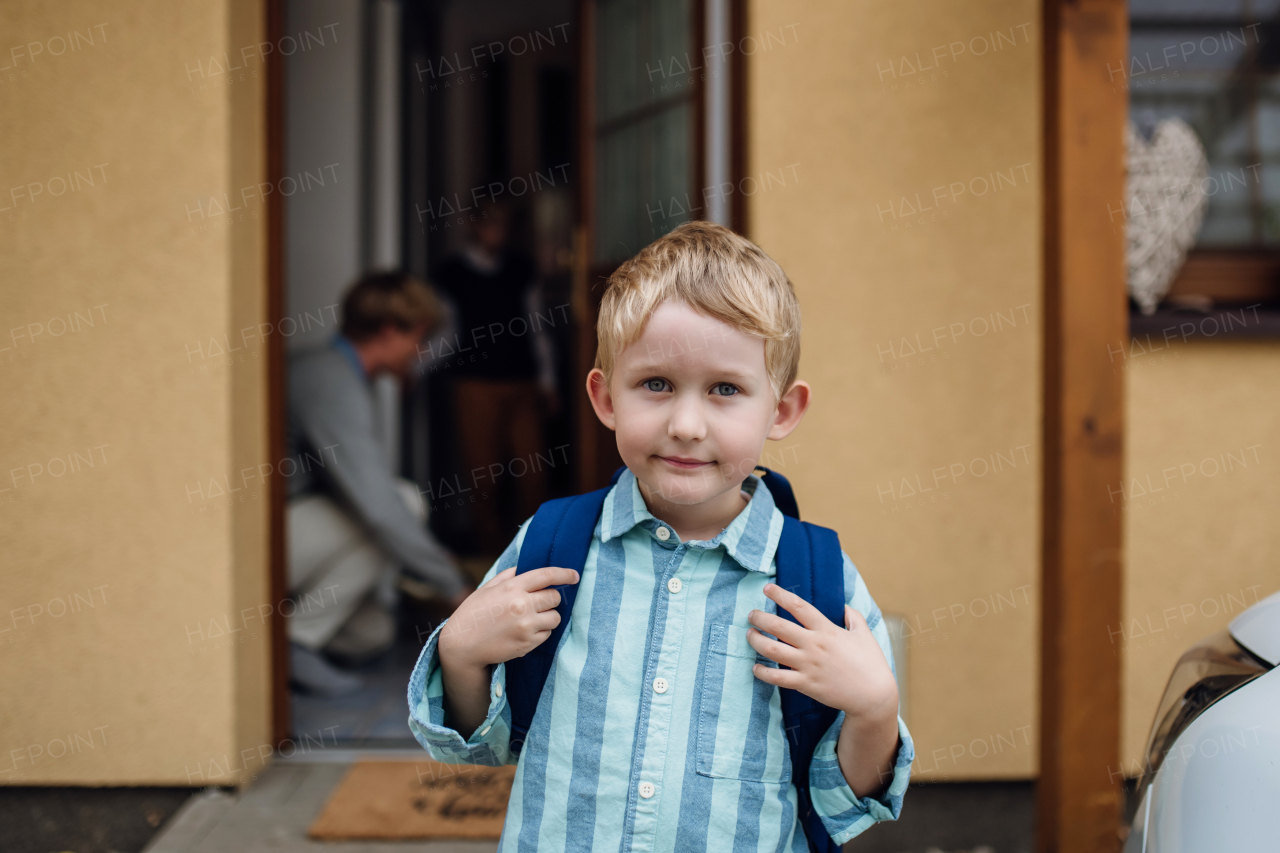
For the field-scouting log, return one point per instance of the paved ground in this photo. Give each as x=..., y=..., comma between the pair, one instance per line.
x=84, y=820
x=273, y=815
x=972, y=817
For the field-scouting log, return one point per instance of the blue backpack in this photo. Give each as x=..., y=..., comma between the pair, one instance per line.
x=809, y=563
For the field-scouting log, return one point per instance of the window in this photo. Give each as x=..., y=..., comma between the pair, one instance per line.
x=1216, y=65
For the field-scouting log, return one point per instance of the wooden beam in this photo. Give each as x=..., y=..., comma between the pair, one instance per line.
x=1085, y=311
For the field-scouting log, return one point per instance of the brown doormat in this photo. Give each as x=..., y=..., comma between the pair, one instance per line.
x=417, y=799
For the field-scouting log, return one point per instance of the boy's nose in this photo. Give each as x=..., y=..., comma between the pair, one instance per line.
x=687, y=422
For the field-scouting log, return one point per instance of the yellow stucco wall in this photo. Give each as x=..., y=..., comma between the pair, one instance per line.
x=911, y=225
x=1200, y=497
x=118, y=410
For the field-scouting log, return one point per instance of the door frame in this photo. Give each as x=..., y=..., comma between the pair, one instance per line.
x=281, y=717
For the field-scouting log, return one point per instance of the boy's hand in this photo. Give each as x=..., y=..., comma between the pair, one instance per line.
x=506, y=618
x=843, y=668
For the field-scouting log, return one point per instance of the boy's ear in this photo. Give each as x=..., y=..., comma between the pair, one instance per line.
x=791, y=409
x=601, y=398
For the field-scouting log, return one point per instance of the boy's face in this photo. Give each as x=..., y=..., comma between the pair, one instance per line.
x=691, y=404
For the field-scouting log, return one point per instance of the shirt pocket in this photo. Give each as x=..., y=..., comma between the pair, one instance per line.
x=740, y=730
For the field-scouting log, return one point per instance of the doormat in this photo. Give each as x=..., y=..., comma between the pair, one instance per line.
x=416, y=799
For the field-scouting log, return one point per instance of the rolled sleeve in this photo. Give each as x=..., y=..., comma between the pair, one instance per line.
x=489, y=744
x=843, y=813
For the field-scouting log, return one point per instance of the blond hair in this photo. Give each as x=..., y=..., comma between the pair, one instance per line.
x=715, y=272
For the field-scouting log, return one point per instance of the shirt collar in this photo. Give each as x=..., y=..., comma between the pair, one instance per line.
x=343, y=345
x=751, y=539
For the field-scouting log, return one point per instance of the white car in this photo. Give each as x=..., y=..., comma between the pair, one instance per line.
x=1211, y=783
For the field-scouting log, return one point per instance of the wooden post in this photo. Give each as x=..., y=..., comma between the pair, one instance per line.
x=1086, y=321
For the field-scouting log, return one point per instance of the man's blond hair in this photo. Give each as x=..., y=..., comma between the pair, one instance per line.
x=715, y=272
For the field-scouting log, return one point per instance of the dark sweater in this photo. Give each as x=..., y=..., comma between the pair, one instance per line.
x=493, y=318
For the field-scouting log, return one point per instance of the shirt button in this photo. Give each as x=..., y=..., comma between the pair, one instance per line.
x=659, y=685
x=646, y=789
x=485, y=731
x=674, y=585
x=663, y=533
x=498, y=689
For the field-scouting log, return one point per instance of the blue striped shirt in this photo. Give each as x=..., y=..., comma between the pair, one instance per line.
x=652, y=732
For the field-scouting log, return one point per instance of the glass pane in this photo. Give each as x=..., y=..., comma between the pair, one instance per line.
x=1214, y=63
x=618, y=194
x=674, y=58
x=644, y=54
x=618, y=86
x=644, y=123
x=642, y=183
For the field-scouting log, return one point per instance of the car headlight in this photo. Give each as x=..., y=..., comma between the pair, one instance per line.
x=1204, y=674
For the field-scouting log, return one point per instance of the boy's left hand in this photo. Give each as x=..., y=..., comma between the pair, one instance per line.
x=841, y=667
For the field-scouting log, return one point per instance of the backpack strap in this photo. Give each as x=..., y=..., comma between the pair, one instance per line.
x=559, y=535
x=811, y=565
x=783, y=497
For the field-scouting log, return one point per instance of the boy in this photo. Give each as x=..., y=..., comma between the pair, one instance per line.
x=660, y=725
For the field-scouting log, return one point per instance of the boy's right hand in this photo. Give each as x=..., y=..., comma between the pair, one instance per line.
x=507, y=618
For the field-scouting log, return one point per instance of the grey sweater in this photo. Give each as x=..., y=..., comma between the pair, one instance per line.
x=331, y=418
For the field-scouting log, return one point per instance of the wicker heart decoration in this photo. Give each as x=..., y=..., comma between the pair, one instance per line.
x=1164, y=205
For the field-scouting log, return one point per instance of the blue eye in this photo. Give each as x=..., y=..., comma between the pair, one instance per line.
x=655, y=385
x=724, y=389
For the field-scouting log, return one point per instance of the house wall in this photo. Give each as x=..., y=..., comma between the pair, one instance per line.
x=1200, y=495
x=124, y=409
x=840, y=108
x=896, y=153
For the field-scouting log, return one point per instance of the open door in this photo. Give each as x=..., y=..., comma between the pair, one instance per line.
x=660, y=95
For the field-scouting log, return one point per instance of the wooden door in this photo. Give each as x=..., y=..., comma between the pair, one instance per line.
x=640, y=155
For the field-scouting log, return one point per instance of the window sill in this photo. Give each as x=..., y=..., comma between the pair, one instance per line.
x=1259, y=320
